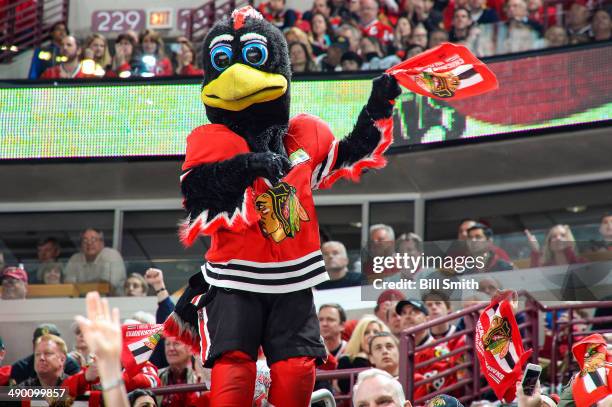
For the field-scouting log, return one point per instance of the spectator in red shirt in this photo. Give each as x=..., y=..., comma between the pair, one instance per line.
x=88, y=380
x=72, y=67
x=559, y=248
x=5, y=371
x=154, y=61
x=449, y=11
x=536, y=12
x=179, y=371
x=186, y=64
x=371, y=25
x=124, y=55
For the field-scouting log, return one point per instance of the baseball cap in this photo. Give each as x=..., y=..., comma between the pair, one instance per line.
x=443, y=400
x=390, y=295
x=44, y=329
x=420, y=305
x=341, y=43
x=15, y=272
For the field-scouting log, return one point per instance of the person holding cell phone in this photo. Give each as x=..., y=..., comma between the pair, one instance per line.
x=186, y=59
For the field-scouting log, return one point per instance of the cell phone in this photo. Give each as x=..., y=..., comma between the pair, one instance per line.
x=175, y=47
x=530, y=378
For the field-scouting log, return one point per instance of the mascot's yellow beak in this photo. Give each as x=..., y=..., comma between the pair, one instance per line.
x=240, y=86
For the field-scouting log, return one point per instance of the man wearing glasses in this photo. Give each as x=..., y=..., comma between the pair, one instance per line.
x=96, y=263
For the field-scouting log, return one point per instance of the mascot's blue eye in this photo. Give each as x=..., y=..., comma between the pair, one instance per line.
x=221, y=57
x=255, y=53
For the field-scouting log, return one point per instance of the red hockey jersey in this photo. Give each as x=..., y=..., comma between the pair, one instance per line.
x=271, y=244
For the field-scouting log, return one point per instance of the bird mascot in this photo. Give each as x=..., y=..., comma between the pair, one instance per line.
x=247, y=182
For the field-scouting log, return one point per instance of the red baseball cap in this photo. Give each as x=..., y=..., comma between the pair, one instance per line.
x=390, y=295
x=15, y=272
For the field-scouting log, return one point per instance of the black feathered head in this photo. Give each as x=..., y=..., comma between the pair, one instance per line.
x=247, y=72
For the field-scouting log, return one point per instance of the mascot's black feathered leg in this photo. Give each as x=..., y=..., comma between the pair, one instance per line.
x=366, y=135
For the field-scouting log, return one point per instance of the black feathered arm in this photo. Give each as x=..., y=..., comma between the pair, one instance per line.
x=371, y=124
x=219, y=195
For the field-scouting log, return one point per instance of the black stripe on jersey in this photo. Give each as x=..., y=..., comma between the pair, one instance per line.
x=268, y=270
x=320, y=174
x=283, y=281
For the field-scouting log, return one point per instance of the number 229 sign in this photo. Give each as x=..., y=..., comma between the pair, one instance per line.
x=117, y=20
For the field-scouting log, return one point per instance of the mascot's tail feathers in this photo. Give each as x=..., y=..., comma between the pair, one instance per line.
x=177, y=328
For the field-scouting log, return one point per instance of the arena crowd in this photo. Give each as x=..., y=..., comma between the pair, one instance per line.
x=337, y=35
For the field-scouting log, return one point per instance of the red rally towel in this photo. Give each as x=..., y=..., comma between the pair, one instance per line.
x=500, y=347
x=139, y=341
x=594, y=381
x=448, y=71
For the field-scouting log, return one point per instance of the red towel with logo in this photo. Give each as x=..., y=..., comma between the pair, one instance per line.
x=139, y=341
x=500, y=347
x=448, y=71
x=594, y=381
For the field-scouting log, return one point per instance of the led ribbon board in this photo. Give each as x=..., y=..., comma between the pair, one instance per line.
x=153, y=118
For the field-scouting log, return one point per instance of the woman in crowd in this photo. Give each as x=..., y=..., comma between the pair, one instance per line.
x=51, y=273
x=559, y=248
x=419, y=36
x=81, y=353
x=135, y=286
x=96, y=49
x=401, y=36
x=321, y=35
x=301, y=60
x=356, y=352
x=373, y=56
x=124, y=59
x=154, y=61
x=186, y=63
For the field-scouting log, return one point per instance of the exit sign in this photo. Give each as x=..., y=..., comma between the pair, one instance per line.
x=159, y=18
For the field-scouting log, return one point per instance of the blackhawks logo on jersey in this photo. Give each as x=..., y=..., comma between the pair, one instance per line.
x=280, y=211
x=498, y=336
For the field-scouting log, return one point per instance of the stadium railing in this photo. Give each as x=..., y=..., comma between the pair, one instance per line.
x=27, y=23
